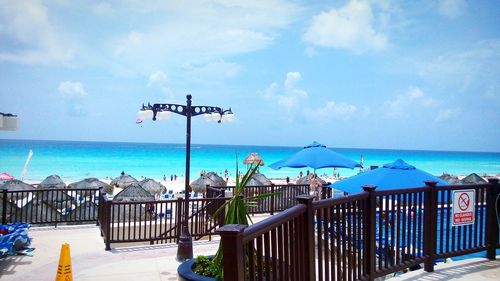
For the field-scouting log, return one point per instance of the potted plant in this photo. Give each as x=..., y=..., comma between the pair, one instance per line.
x=210, y=268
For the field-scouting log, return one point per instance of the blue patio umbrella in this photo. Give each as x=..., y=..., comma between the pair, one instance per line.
x=398, y=174
x=315, y=156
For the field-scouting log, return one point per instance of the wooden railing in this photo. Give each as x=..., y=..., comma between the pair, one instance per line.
x=157, y=221
x=361, y=237
x=50, y=206
x=160, y=221
x=283, y=197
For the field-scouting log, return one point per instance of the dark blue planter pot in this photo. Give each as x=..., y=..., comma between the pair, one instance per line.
x=186, y=273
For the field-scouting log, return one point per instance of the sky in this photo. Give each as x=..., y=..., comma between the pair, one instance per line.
x=357, y=74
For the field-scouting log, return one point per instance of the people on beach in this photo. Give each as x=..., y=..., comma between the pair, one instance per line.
x=315, y=183
x=287, y=180
x=301, y=174
x=171, y=177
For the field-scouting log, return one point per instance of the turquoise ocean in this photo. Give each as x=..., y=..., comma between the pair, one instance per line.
x=75, y=160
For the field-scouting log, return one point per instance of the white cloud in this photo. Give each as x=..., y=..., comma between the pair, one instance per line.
x=26, y=25
x=102, y=8
x=475, y=67
x=349, y=27
x=199, y=32
x=213, y=71
x=402, y=104
x=452, y=8
x=157, y=78
x=446, y=114
x=331, y=110
x=290, y=96
x=73, y=94
x=69, y=89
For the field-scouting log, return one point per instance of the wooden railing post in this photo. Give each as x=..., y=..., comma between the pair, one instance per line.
x=369, y=217
x=430, y=225
x=308, y=230
x=233, y=252
x=492, y=192
x=4, y=206
x=272, y=198
x=108, y=224
x=99, y=192
x=178, y=216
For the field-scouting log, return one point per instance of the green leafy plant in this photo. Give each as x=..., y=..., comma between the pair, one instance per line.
x=237, y=213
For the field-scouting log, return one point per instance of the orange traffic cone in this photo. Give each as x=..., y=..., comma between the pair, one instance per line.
x=64, y=272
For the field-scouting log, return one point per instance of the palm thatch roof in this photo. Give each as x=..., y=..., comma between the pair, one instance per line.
x=85, y=211
x=11, y=208
x=123, y=181
x=37, y=211
x=473, y=179
x=307, y=180
x=17, y=185
x=152, y=186
x=253, y=158
x=130, y=213
x=263, y=179
x=56, y=198
x=449, y=178
x=92, y=183
x=254, y=182
x=200, y=184
x=219, y=181
x=133, y=192
x=52, y=181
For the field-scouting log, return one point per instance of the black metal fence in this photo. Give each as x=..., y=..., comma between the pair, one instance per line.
x=50, y=206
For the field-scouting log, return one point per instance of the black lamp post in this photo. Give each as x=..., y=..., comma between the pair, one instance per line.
x=161, y=111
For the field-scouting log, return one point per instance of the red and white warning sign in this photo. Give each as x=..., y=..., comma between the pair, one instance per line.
x=463, y=207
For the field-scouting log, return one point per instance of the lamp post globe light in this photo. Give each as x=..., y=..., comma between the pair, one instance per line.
x=163, y=111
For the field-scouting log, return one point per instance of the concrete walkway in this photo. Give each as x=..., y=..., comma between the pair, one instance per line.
x=157, y=262
x=476, y=269
x=89, y=259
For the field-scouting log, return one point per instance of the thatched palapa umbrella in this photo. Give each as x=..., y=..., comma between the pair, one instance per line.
x=52, y=181
x=449, y=178
x=92, y=183
x=307, y=180
x=133, y=192
x=253, y=158
x=219, y=181
x=152, y=186
x=254, y=182
x=473, y=179
x=200, y=184
x=261, y=178
x=17, y=185
x=123, y=181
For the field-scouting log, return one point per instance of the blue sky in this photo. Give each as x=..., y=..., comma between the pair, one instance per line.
x=375, y=74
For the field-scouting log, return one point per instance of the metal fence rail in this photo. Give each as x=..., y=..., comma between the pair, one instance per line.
x=50, y=206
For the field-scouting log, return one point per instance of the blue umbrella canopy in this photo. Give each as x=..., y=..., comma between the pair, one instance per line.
x=315, y=156
x=398, y=174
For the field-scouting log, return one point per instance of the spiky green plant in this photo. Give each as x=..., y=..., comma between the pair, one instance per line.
x=237, y=210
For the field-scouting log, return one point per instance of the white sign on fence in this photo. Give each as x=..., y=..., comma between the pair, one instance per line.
x=463, y=207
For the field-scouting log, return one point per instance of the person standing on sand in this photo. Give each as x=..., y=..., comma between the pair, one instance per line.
x=301, y=174
x=314, y=184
